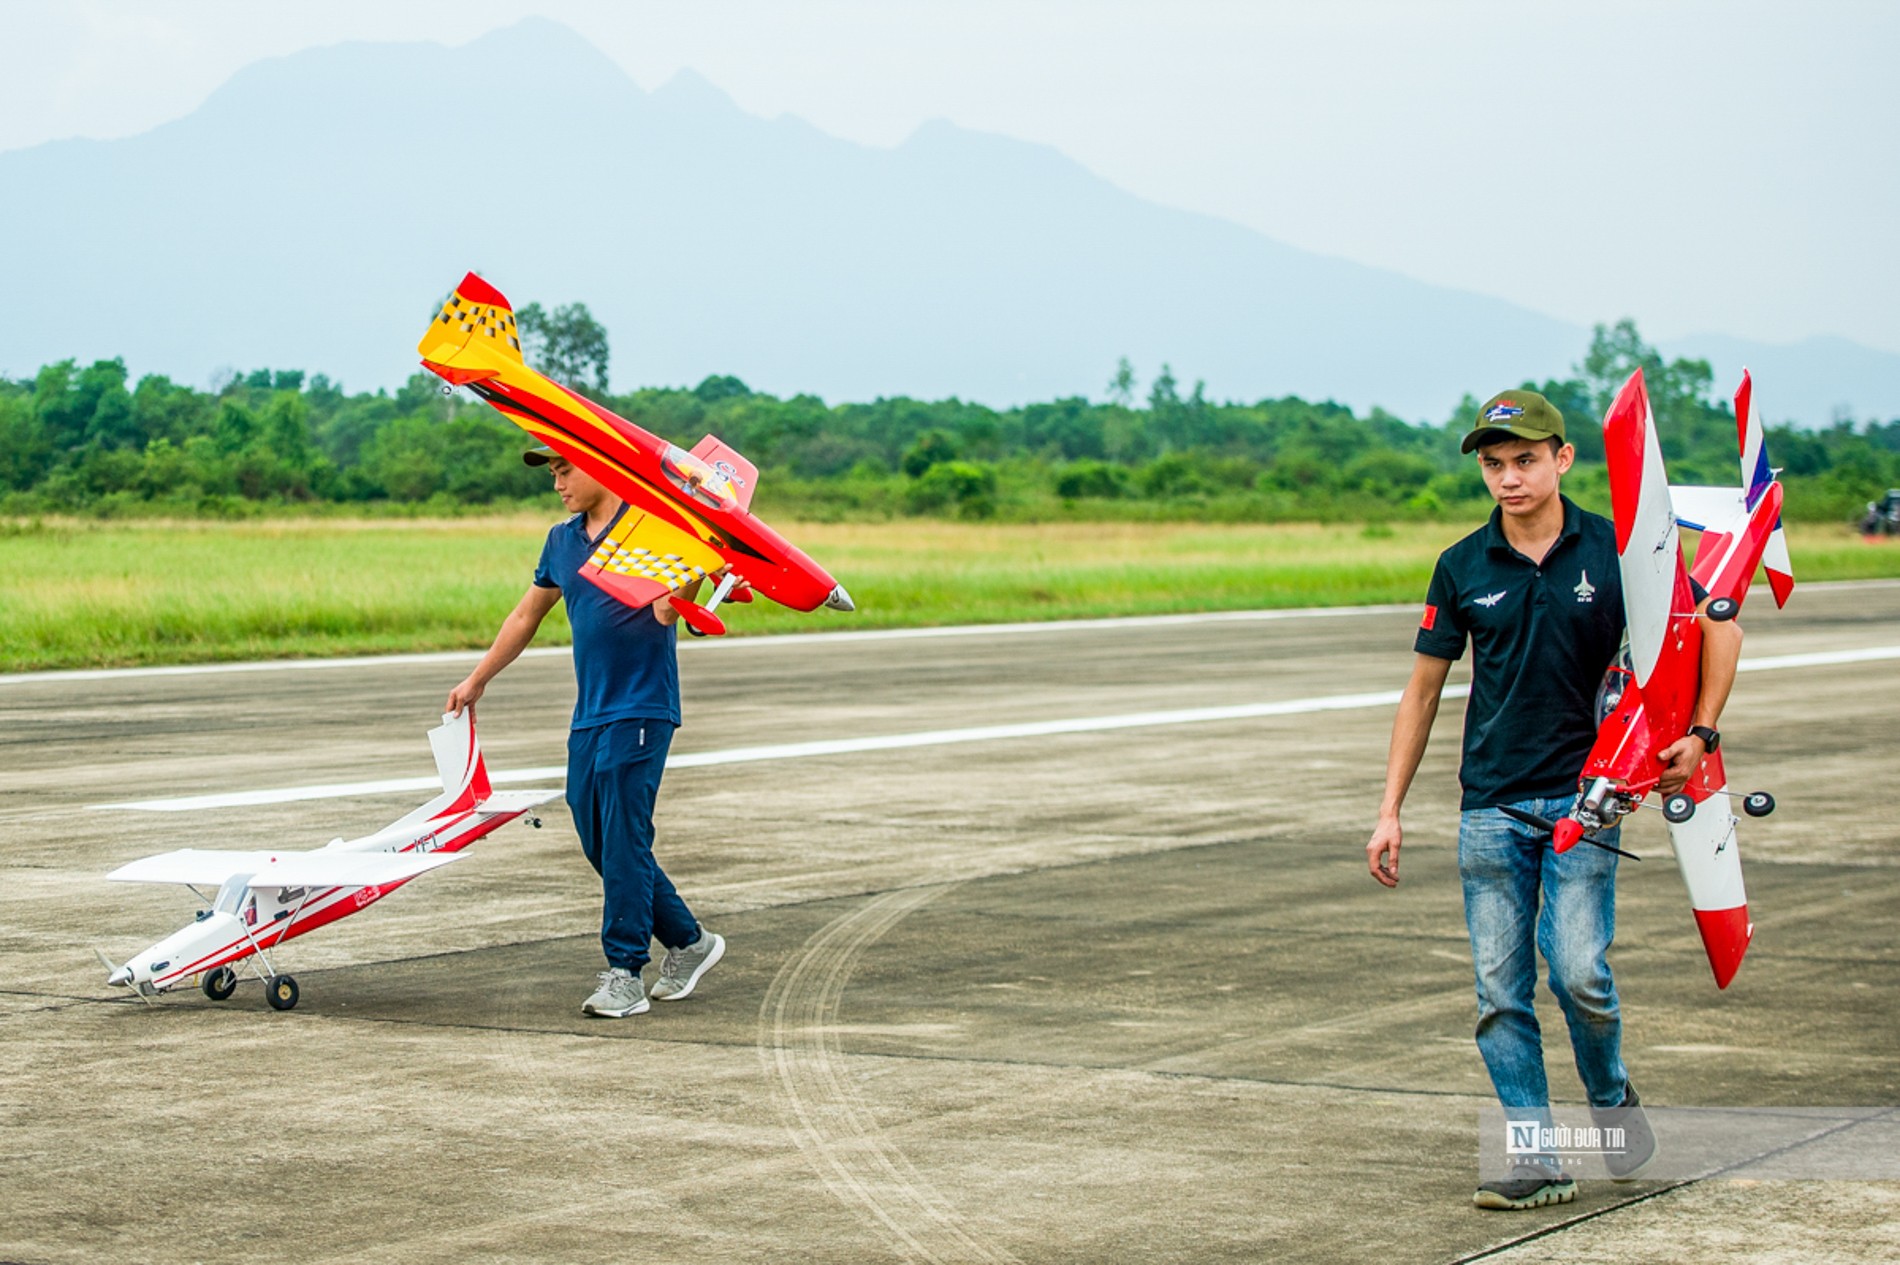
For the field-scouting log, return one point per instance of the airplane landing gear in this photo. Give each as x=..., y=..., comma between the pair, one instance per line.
x=1758, y=803
x=281, y=992
x=1678, y=808
x=219, y=984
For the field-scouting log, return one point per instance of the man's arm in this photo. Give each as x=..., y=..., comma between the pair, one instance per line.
x=1721, y=652
x=1411, y=730
x=516, y=632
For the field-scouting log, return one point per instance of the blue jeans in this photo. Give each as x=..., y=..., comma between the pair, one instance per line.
x=613, y=779
x=1506, y=866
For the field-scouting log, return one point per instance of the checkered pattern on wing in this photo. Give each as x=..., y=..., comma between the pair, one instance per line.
x=666, y=568
x=480, y=318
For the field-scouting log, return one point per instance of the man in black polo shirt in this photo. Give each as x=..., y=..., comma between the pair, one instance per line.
x=1538, y=592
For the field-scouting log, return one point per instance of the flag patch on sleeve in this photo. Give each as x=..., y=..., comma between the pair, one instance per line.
x=1431, y=617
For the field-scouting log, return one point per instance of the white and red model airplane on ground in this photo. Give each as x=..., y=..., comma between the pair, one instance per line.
x=1651, y=701
x=267, y=897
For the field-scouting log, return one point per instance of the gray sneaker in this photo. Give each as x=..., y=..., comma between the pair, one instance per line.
x=1529, y=1186
x=1639, y=1140
x=620, y=994
x=681, y=968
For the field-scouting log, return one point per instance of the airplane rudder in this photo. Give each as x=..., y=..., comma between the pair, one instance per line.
x=476, y=317
x=458, y=757
x=478, y=784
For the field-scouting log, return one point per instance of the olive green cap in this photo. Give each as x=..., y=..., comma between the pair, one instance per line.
x=539, y=456
x=1514, y=415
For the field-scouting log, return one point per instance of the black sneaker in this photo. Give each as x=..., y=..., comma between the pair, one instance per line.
x=1528, y=1186
x=1639, y=1140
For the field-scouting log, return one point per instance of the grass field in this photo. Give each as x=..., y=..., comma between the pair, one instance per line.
x=84, y=594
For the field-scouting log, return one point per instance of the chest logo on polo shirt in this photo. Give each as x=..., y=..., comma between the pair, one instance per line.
x=1491, y=599
x=1584, y=590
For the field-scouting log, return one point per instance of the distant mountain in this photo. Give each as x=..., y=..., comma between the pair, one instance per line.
x=310, y=213
x=1814, y=380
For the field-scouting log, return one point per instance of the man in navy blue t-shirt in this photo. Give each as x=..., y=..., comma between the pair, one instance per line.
x=628, y=708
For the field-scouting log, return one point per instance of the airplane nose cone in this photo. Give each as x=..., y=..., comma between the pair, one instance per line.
x=840, y=600
x=121, y=976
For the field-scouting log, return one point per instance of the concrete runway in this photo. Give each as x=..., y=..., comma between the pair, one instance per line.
x=1114, y=995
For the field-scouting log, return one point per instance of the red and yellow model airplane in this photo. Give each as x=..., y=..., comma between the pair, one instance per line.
x=688, y=513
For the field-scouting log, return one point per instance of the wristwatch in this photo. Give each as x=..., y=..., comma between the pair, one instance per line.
x=1711, y=739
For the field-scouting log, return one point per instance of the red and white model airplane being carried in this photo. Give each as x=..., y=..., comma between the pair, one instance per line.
x=1651, y=701
x=269, y=896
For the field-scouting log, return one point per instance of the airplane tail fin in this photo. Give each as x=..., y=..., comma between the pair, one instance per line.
x=1757, y=475
x=474, y=335
x=459, y=763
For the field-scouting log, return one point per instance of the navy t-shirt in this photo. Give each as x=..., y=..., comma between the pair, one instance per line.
x=1542, y=633
x=624, y=659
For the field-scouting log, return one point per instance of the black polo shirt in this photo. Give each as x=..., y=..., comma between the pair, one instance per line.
x=1542, y=635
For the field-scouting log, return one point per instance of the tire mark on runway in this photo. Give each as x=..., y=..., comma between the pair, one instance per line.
x=800, y=1051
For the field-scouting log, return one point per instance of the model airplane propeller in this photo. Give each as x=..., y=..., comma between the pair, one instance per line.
x=1648, y=702
x=266, y=897
x=689, y=513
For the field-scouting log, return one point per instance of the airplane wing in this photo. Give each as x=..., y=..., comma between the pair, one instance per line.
x=645, y=557
x=330, y=868
x=1710, y=859
x=1648, y=547
x=206, y=867
x=199, y=867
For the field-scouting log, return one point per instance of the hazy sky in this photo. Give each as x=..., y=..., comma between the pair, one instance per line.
x=1703, y=166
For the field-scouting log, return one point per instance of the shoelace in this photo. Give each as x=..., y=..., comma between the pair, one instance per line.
x=607, y=979
x=671, y=963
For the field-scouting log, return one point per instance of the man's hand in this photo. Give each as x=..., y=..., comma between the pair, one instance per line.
x=463, y=695
x=1382, y=854
x=1679, y=760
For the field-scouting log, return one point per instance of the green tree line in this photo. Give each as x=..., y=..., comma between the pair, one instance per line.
x=88, y=440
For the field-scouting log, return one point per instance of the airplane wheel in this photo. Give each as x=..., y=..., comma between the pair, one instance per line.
x=1724, y=608
x=219, y=984
x=1678, y=808
x=1758, y=803
x=281, y=992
